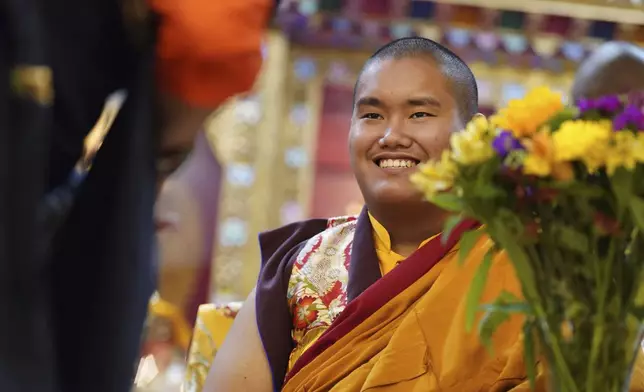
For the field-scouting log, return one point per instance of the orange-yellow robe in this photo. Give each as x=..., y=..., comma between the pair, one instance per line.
x=416, y=341
x=347, y=327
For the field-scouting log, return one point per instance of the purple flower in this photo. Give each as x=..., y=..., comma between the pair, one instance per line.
x=504, y=143
x=631, y=118
x=609, y=104
x=586, y=105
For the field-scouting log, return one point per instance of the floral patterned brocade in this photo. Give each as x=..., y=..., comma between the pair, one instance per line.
x=317, y=289
x=212, y=326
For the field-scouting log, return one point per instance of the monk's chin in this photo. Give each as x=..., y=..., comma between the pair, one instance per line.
x=400, y=198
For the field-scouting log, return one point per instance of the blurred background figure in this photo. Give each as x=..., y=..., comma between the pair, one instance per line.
x=75, y=293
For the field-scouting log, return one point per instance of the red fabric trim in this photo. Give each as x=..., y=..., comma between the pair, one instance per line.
x=381, y=292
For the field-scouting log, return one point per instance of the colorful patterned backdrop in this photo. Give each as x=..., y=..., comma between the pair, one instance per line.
x=276, y=143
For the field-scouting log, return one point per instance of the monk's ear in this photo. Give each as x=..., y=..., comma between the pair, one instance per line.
x=460, y=125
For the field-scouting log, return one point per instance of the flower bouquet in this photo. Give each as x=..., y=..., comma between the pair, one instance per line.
x=561, y=190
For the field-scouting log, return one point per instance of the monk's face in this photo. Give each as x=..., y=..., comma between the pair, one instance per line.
x=404, y=113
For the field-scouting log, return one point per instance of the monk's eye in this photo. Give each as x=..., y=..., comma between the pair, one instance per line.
x=421, y=115
x=371, y=116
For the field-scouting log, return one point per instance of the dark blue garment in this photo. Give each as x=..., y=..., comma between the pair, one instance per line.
x=55, y=208
x=71, y=317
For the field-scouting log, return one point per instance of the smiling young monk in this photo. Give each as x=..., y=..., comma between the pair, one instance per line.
x=376, y=302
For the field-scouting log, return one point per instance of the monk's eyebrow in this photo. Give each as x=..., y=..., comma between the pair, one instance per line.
x=369, y=101
x=424, y=101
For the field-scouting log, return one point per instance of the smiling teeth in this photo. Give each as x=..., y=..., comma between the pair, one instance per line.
x=388, y=163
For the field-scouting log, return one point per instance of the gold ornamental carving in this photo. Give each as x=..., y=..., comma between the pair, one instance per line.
x=245, y=135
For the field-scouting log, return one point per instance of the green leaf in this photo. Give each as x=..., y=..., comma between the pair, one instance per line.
x=529, y=353
x=520, y=260
x=487, y=170
x=637, y=210
x=509, y=302
x=639, y=296
x=570, y=238
x=511, y=223
x=477, y=287
x=448, y=201
x=451, y=222
x=490, y=322
x=485, y=191
x=638, y=312
x=497, y=313
x=467, y=242
x=622, y=184
x=567, y=114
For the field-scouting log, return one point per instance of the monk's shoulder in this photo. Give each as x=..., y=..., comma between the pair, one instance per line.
x=282, y=245
x=283, y=239
x=336, y=237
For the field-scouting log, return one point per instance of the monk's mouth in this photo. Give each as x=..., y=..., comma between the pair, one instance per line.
x=396, y=163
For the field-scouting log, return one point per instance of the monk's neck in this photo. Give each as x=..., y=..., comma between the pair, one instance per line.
x=408, y=230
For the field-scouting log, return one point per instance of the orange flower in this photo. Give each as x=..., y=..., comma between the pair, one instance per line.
x=540, y=150
x=539, y=160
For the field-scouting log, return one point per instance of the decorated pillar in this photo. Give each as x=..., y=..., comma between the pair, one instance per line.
x=247, y=137
x=303, y=102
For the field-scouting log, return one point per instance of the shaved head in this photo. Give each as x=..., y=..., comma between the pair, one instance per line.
x=613, y=68
x=457, y=72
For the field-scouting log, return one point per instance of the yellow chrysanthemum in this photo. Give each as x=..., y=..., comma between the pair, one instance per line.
x=472, y=146
x=626, y=150
x=435, y=176
x=523, y=117
x=586, y=141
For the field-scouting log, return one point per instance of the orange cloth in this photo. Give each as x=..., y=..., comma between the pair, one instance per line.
x=418, y=342
x=210, y=50
x=387, y=258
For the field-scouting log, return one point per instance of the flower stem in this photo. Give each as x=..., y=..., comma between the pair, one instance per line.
x=558, y=360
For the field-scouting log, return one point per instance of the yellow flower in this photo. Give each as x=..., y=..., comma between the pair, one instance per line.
x=626, y=150
x=586, y=141
x=523, y=117
x=539, y=160
x=479, y=125
x=435, y=176
x=472, y=146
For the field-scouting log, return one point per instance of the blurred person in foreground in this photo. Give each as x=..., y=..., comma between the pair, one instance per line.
x=376, y=301
x=72, y=317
